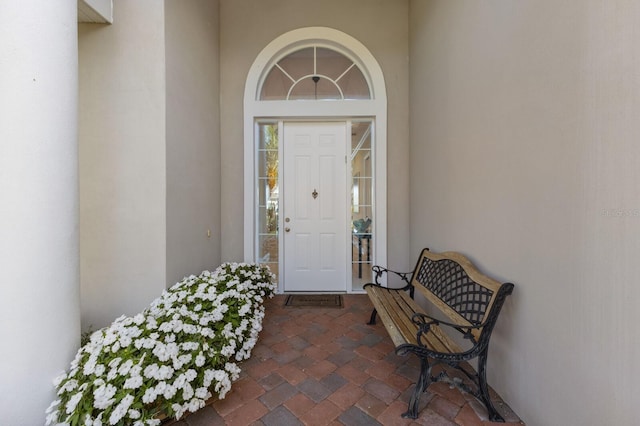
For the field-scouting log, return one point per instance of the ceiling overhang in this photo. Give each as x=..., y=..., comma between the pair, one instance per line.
x=95, y=11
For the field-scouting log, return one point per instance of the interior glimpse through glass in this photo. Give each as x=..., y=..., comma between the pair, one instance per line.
x=362, y=226
x=267, y=248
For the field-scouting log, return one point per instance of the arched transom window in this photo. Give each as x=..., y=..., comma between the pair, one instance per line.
x=315, y=73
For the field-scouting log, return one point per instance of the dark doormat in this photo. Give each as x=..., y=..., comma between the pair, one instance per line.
x=314, y=301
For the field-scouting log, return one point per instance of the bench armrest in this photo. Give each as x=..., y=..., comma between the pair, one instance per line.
x=424, y=323
x=404, y=276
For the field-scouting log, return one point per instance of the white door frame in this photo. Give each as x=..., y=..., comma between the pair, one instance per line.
x=374, y=108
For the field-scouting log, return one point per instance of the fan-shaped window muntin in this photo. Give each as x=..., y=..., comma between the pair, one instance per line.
x=315, y=73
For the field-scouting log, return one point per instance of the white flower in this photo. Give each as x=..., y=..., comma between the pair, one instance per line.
x=203, y=393
x=244, y=310
x=185, y=359
x=228, y=350
x=103, y=396
x=160, y=387
x=233, y=369
x=136, y=370
x=190, y=328
x=114, y=363
x=51, y=418
x=68, y=386
x=125, y=341
x=90, y=366
x=147, y=343
x=133, y=382
x=59, y=379
x=164, y=372
x=227, y=331
x=100, y=369
x=191, y=374
x=121, y=409
x=207, y=332
x=195, y=404
x=178, y=409
x=187, y=391
x=152, y=323
x=125, y=367
x=109, y=337
x=138, y=319
x=98, y=421
x=200, y=360
x=151, y=371
x=149, y=396
x=169, y=392
x=53, y=405
x=190, y=346
x=112, y=374
x=71, y=404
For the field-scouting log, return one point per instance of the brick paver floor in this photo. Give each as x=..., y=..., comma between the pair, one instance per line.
x=326, y=366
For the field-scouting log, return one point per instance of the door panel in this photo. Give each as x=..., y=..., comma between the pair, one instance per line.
x=315, y=205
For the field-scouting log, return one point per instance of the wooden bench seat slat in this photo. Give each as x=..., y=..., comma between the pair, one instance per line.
x=396, y=310
x=402, y=313
x=440, y=342
x=384, y=306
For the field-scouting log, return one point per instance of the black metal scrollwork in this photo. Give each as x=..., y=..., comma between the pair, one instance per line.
x=424, y=326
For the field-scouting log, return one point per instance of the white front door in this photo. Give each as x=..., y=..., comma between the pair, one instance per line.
x=315, y=207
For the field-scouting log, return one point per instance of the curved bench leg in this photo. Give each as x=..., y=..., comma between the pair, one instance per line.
x=494, y=416
x=421, y=386
x=372, y=320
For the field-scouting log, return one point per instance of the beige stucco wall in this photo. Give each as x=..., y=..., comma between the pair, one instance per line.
x=122, y=155
x=247, y=26
x=193, y=137
x=524, y=156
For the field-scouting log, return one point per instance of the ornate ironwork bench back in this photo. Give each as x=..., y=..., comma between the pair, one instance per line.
x=454, y=285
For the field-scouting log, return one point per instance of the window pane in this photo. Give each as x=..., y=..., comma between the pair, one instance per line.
x=298, y=64
x=362, y=224
x=340, y=78
x=268, y=252
x=354, y=85
x=268, y=196
x=331, y=63
x=275, y=86
x=308, y=89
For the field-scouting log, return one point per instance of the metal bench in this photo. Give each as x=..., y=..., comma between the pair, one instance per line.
x=471, y=302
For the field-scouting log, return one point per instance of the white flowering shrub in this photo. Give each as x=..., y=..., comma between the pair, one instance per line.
x=170, y=358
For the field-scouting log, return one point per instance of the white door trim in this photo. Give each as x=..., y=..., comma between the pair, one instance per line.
x=376, y=108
